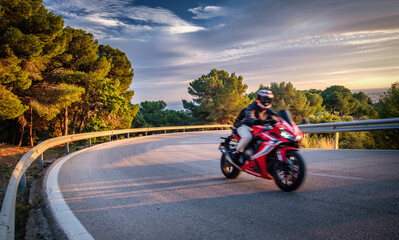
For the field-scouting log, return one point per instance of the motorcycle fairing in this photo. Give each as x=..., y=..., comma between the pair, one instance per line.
x=257, y=166
x=294, y=130
x=236, y=137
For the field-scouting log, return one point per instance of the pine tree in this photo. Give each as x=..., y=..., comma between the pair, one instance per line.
x=29, y=37
x=46, y=72
x=217, y=97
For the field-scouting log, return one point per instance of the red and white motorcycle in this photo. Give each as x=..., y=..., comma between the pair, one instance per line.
x=272, y=153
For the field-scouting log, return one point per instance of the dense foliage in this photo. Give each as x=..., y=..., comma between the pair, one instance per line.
x=300, y=103
x=55, y=80
x=154, y=114
x=217, y=97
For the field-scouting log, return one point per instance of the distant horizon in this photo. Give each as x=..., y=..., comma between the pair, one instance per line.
x=370, y=89
x=365, y=90
x=178, y=105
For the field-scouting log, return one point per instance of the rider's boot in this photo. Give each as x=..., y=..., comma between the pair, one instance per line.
x=238, y=158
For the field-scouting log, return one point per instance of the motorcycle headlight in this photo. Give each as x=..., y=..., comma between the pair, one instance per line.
x=287, y=135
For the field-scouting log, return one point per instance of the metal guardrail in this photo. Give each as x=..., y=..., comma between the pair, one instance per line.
x=7, y=217
x=354, y=126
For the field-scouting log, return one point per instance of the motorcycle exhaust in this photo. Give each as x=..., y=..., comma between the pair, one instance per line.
x=227, y=155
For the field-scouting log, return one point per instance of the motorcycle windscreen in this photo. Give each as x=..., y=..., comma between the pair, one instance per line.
x=286, y=115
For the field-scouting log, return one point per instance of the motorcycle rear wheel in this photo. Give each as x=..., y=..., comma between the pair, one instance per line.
x=289, y=175
x=228, y=169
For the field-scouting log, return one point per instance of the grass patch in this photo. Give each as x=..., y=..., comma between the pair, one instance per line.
x=22, y=210
x=316, y=141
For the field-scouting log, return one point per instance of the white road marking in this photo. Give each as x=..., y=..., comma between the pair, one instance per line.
x=335, y=176
x=65, y=217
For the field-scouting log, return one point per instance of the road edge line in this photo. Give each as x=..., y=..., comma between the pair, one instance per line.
x=66, y=219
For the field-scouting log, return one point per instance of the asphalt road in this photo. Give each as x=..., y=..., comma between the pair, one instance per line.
x=170, y=187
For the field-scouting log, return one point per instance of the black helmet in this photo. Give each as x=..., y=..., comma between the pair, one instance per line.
x=264, y=98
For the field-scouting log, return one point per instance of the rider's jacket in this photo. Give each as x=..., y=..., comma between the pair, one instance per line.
x=253, y=112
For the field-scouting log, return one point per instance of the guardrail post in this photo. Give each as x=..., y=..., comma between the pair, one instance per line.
x=109, y=138
x=128, y=135
x=40, y=159
x=336, y=140
x=41, y=162
x=146, y=133
x=66, y=148
x=89, y=140
x=22, y=184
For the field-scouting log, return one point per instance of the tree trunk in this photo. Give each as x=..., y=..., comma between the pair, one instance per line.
x=31, y=126
x=65, y=122
x=61, y=123
x=75, y=120
x=81, y=123
x=22, y=123
x=22, y=136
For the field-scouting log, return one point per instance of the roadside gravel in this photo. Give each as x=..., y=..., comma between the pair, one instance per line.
x=40, y=224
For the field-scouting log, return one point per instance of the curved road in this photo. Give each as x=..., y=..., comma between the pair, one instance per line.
x=170, y=187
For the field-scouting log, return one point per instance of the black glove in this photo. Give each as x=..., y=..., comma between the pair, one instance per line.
x=270, y=111
x=271, y=121
x=258, y=122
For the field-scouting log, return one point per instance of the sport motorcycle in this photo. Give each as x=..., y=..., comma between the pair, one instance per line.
x=272, y=153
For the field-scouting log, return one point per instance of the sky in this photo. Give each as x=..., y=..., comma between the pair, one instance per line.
x=312, y=43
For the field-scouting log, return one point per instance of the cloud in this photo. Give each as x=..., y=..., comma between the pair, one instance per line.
x=103, y=19
x=116, y=19
x=208, y=12
x=162, y=18
x=313, y=44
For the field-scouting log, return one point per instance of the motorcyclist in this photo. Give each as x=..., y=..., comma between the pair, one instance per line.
x=257, y=113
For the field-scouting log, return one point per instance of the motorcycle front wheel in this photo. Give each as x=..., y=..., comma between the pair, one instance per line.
x=228, y=169
x=290, y=174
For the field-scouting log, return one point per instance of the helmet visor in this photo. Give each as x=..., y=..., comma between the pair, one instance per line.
x=265, y=100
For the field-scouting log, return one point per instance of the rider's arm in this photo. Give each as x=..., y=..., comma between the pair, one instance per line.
x=250, y=113
x=271, y=112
